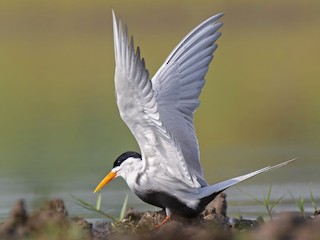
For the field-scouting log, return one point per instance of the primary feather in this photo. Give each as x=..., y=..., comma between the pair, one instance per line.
x=178, y=84
x=159, y=113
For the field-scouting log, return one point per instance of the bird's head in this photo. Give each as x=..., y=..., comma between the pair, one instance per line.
x=124, y=163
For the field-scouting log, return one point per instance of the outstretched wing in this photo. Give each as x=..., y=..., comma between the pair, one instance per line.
x=178, y=84
x=139, y=110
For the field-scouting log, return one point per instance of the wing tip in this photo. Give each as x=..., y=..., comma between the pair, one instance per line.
x=114, y=19
x=214, y=18
x=283, y=164
x=219, y=15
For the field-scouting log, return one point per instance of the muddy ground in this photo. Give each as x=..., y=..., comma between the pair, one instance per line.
x=51, y=221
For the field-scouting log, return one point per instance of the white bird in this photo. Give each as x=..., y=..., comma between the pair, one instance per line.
x=159, y=113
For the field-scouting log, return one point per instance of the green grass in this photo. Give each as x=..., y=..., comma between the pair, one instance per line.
x=92, y=208
x=300, y=202
x=97, y=207
x=313, y=201
x=267, y=201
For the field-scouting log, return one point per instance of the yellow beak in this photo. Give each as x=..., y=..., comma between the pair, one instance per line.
x=107, y=179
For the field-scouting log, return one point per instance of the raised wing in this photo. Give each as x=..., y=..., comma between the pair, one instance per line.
x=178, y=84
x=139, y=110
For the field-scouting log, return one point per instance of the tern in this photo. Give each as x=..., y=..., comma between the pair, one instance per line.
x=159, y=112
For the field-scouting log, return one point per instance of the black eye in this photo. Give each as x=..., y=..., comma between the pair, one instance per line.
x=125, y=156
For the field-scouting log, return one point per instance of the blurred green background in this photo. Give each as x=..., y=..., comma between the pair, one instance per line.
x=59, y=125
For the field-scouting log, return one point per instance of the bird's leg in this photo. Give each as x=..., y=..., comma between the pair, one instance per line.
x=167, y=219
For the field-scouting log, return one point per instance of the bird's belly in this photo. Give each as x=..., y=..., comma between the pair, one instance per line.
x=165, y=200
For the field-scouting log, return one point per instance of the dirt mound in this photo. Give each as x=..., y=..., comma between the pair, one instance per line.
x=51, y=221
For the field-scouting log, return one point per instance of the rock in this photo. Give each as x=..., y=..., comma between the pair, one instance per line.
x=217, y=206
x=51, y=219
x=246, y=224
x=83, y=224
x=52, y=213
x=16, y=225
x=56, y=206
x=216, y=210
x=101, y=231
x=18, y=213
x=133, y=215
x=149, y=220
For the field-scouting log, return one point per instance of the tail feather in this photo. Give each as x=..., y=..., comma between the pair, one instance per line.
x=219, y=187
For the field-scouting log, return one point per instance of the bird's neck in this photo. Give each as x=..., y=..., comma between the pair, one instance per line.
x=132, y=175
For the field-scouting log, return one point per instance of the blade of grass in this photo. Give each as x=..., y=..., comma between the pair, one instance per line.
x=313, y=201
x=276, y=202
x=98, y=206
x=269, y=205
x=92, y=208
x=299, y=203
x=124, y=208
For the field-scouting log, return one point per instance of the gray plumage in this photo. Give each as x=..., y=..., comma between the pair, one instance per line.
x=159, y=113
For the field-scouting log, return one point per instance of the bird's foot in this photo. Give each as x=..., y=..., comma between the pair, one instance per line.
x=167, y=219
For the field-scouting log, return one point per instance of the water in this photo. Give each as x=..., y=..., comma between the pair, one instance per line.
x=242, y=198
x=39, y=180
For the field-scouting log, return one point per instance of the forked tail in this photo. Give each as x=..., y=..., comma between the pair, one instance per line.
x=219, y=187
